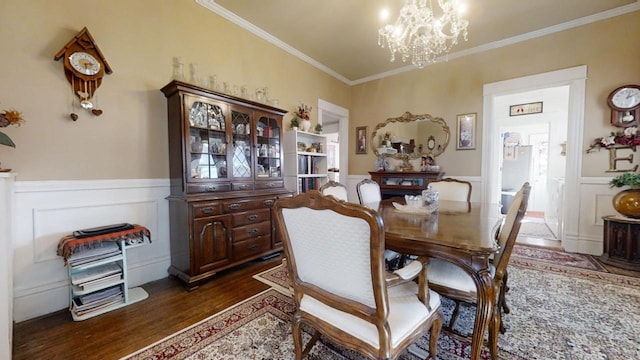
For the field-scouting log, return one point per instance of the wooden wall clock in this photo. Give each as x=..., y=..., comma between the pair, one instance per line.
x=84, y=67
x=625, y=106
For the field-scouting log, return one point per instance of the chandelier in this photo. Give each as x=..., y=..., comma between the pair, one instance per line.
x=420, y=34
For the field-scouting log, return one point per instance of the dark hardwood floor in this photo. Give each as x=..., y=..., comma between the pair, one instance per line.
x=168, y=309
x=113, y=335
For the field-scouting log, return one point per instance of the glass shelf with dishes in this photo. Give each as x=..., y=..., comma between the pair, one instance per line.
x=208, y=141
x=269, y=161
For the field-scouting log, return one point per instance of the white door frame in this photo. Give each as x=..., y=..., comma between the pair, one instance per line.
x=335, y=111
x=576, y=79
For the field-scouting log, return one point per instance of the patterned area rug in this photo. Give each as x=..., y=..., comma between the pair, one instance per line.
x=553, y=316
x=522, y=254
x=535, y=229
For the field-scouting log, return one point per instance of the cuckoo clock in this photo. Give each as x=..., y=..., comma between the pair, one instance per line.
x=84, y=68
x=625, y=106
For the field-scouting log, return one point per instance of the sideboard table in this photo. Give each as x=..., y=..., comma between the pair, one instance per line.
x=621, y=242
x=400, y=183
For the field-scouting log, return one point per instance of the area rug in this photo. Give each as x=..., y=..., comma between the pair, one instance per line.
x=555, y=257
x=537, y=229
x=553, y=316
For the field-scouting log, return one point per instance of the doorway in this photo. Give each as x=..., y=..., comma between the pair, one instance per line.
x=531, y=147
x=335, y=125
x=572, y=82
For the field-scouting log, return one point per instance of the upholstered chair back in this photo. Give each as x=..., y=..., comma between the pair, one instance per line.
x=452, y=189
x=368, y=192
x=335, y=189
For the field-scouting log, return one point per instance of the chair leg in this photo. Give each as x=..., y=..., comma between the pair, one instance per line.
x=296, y=332
x=436, y=327
x=503, y=291
x=454, y=315
x=494, y=326
x=502, y=302
x=312, y=341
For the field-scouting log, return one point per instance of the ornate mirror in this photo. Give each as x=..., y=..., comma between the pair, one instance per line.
x=410, y=137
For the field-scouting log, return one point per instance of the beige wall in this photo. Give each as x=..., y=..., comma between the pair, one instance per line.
x=139, y=39
x=608, y=48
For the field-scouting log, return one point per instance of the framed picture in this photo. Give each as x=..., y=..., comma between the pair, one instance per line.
x=525, y=109
x=466, y=132
x=361, y=140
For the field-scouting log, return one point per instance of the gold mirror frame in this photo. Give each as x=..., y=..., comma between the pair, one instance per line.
x=407, y=117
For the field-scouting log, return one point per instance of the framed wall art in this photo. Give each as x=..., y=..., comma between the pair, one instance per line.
x=466, y=131
x=525, y=109
x=361, y=140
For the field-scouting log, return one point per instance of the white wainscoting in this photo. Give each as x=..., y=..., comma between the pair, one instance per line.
x=595, y=202
x=45, y=211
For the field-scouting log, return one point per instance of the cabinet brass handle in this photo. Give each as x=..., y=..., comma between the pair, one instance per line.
x=209, y=188
x=252, y=217
x=268, y=203
x=234, y=206
x=252, y=231
x=254, y=246
x=207, y=210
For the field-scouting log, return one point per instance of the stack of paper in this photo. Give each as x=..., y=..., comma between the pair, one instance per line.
x=95, y=301
x=105, y=251
x=97, y=277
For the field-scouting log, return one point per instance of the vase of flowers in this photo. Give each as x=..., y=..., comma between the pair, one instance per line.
x=303, y=113
x=9, y=117
x=627, y=202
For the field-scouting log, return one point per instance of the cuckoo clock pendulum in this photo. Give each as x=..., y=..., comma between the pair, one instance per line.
x=84, y=68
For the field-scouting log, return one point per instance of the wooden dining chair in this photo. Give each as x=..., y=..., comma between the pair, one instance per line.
x=369, y=193
x=455, y=283
x=336, y=189
x=333, y=251
x=452, y=189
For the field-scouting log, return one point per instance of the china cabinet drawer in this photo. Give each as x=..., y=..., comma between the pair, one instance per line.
x=251, y=247
x=206, y=209
x=233, y=206
x=210, y=187
x=269, y=184
x=242, y=186
x=251, y=217
x=251, y=231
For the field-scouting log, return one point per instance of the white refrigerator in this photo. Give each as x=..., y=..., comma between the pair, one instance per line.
x=516, y=170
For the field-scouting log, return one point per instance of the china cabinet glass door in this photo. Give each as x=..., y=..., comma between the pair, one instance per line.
x=207, y=140
x=269, y=162
x=242, y=145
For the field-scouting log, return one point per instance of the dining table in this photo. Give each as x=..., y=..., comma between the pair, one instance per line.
x=458, y=231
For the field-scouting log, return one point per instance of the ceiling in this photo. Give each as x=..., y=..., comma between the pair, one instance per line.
x=340, y=37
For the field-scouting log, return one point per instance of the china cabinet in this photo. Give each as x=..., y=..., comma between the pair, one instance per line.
x=306, y=157
x=225, y=163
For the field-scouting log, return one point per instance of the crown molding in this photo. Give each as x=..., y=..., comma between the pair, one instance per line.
x=216, y=8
